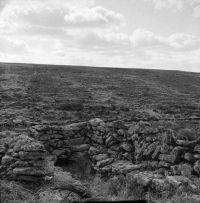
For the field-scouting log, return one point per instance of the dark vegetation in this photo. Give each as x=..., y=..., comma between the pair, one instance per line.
x=68, y=94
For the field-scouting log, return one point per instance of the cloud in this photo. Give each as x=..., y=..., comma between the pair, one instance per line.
x=10, y=46
x=140, y=39
x=179, y=5
x=170, y=4
x=182, y=41
x=93, y=17
x=144, y=38
x=50, y=15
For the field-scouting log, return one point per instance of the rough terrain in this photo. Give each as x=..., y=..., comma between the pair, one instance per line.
x=63, y=127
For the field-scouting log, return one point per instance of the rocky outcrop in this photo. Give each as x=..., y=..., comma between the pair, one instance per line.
x=144, y=144
x=24, y=160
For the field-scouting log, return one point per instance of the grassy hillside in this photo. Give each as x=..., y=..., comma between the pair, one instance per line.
x=72, y=93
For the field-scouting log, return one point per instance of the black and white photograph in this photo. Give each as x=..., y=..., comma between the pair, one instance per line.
x=99, y=101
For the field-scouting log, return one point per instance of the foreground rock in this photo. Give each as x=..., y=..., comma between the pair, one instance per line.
x=25, y=160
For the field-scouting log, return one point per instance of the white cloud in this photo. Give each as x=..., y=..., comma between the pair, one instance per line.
x=140, y=39
x=58, y=14
x=172, y=4
x=179, y=5
x=184, y=41
x=93, y=17
x=144, y=38
x=10, y=46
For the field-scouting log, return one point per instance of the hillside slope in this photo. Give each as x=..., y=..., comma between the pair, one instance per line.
x=66, y=93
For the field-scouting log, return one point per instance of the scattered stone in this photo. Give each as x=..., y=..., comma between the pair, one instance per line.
x=93, y=151
x=100, y=157
x=80, y=148
x=127, y=147
x=124, y=167
x=104, y=162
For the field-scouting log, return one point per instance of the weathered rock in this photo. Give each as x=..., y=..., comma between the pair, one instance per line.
x=96, y=122
x=93, y=151
x=189, y=157
x=104, y=162
x=163, y=164
x=144, y=178
x=110, y=141
x=156, y=153
x=150, y=150
x=186, y=170
x=29, y=171
x=197, y=149
x=100, y=157
x=124, y=167
x=97, y=139
x=7, y=160
x=64, y=181
x=35, y=155
x=175, y=170
x=80, y=148
x=197, y=167
x=75, y=141
x=127, y=147
x=176, y=181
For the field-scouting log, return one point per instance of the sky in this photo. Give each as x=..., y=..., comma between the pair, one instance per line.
x=155, y=34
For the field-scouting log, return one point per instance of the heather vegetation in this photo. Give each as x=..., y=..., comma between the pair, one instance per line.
x=71, y=133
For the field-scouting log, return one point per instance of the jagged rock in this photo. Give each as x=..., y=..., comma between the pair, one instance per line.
x=145, y=178
x=197, y=167
x=150, y=150
x=163, y=164
x=188, y=143
x=176, y=181
x=175, y=170
x=2, y=149
x=75, y=141
x=50, y=196
x=104, y=162
x=156, y=153
x=127, y=147
x=44, y=137
x=189, y=157
x=68, y=129
x=100, y=157
x=165, y=149
x=29, y=171
x=174, y=157
x=117, y=137
x=97, y=139
x=80, y=148
x=121, y=132
x=197, y=156
x=110, y=141
x=124, y=167
x=93, y=151
x=57, y=136
x=35, y=155
x=197, y=149
x=40, y=128
x=7, y=160
x=105, y=169
x=96, y=122
x=186, y=170
x=64, y=181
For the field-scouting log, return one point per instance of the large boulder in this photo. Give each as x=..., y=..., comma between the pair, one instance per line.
x=124, y=167
x=64, y=181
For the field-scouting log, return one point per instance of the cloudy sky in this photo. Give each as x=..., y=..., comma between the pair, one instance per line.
x=163, y=34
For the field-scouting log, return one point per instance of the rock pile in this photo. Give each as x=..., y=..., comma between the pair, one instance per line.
x=59, y=140
x=157, y=149
x=140, y=145
x=24, y=160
